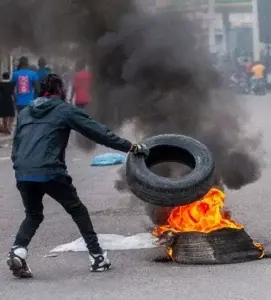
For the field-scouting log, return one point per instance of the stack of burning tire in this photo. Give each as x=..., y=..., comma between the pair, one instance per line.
x=196, y=229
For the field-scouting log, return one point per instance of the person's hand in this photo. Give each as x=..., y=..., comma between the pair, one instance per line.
x=138, y=149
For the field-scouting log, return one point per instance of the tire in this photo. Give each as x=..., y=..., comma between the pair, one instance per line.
x=225, y=246
x=166, y=192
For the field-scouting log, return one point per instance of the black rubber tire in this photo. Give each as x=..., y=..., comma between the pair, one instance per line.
x=168, y=192
x=226, y=246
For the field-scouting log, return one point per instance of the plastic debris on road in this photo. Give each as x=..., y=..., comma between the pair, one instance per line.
x=112, y=242
x=108, y=159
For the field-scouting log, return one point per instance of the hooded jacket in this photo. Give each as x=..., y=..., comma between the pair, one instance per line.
x=42, y=133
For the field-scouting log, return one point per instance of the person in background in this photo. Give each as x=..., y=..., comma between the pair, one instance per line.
x=81, y=86
x=43, y=70
x=38, y=154
x=258, y=74
x=248, y=70
x=258, y=70
x=249, y=65
x=7, y=111
x=26, y=83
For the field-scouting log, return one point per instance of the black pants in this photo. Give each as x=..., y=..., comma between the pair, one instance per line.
x=62, y=190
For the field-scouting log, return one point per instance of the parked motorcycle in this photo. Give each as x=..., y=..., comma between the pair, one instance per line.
x=259, y=86
x=239, y=84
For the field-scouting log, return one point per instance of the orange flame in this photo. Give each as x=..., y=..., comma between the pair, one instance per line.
x=204, y=216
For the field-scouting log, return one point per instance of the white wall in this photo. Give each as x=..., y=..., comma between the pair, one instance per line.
x=237, y=20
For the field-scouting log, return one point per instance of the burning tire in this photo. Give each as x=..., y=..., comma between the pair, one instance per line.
x=224, y=246
x=167, y=192
x=203, y=232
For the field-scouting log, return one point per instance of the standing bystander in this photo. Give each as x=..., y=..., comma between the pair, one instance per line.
x=82, y=83
x=26, y=82
x=258, y=70
x=43, y=70
x=7, y=111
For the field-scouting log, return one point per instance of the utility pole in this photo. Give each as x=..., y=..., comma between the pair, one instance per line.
x=211, y=19
x=255, y=30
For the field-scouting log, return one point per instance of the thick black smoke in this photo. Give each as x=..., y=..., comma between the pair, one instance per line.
x=153, y=69
x=52, y=26
x=156, y=70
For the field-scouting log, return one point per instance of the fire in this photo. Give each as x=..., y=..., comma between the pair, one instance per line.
x=204, y=215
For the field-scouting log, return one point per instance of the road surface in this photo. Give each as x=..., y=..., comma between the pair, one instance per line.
x=135, y=276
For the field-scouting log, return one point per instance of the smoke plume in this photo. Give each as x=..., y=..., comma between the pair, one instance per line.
x=156, y=70
x=152, y=69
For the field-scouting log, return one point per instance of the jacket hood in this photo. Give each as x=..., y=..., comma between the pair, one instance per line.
x=42, y=106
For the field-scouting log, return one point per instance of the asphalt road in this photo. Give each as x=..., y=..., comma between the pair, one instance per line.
x=135, y=275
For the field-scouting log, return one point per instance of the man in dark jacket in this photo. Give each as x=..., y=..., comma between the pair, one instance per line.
x=38, y=155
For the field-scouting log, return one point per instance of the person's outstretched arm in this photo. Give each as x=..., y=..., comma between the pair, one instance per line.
x=79, y=121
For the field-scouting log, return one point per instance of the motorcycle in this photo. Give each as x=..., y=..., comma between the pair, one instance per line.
x=239, y=84
x=259, y=86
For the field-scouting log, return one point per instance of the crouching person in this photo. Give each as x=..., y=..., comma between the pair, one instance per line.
x=38, y=155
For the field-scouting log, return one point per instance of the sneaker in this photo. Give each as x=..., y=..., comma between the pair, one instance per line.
x=17, y=262
x=99, y=262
